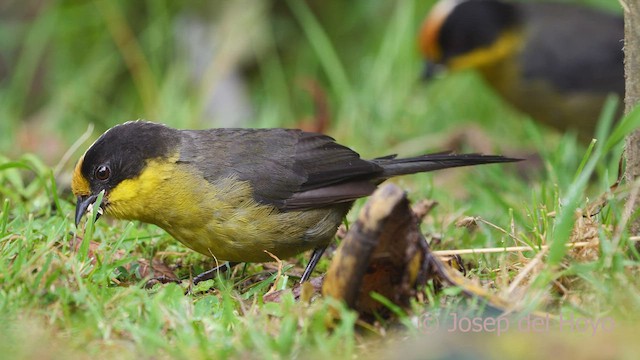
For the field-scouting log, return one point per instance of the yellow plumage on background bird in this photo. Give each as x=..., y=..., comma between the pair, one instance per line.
x=556, y=62
x=234, y=194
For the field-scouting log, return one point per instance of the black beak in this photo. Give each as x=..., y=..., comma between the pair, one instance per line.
x=432, y=70
x=83, y=204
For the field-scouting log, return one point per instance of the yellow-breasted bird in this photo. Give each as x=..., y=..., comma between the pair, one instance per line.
x=235, y=193
x=556, y=62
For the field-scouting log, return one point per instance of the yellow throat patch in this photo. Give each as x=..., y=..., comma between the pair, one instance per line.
x=506, y=45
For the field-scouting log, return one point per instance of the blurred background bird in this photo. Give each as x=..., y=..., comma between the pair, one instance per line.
x=555, y=62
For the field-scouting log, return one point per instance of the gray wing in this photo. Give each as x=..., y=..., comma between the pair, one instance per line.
x=288, y=168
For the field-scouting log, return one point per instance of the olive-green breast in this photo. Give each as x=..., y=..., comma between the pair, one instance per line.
x=231, y=225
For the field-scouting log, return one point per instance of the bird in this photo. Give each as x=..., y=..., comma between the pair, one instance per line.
x=238, y=194
x=555, y=62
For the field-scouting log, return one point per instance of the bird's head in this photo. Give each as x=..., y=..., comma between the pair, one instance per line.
x=461, y=34
x=115, y=161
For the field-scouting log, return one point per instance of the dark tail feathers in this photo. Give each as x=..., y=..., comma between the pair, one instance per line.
x=394, y=167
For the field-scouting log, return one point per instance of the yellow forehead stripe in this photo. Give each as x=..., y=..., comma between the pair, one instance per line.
x=79, y=184
x=428, y=37
x=430, y=29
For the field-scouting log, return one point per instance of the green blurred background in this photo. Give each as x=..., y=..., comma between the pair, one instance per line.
x=67, y=64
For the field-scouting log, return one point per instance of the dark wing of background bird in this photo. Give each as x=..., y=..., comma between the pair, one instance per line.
x=576, y=48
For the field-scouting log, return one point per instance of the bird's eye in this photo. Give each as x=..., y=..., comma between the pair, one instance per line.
x=103, y=172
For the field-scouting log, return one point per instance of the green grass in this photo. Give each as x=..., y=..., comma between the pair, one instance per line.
x=65, y=296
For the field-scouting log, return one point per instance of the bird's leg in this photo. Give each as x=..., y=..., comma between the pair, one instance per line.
x=313, y=261
x=162, y=279
x=209, y=274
